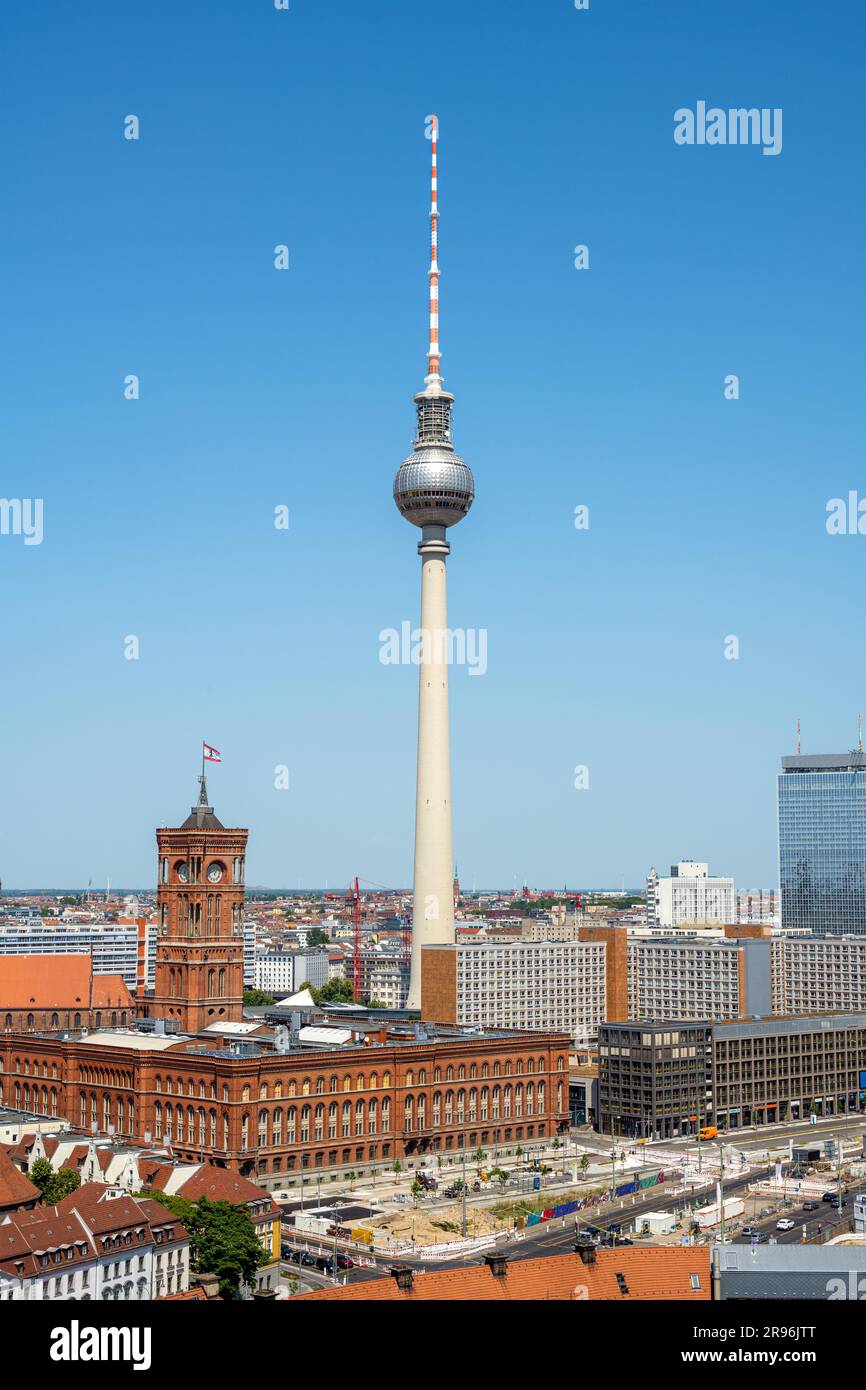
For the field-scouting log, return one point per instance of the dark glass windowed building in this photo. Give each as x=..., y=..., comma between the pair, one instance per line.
x=822, y=843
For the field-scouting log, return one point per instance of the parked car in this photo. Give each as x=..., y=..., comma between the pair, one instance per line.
x=829, y=1197
x=760, y=1238
x=786, y=1224
x=838, y=1203
x=811, y=1206
x=346, y=1261
x=750, y=1230
x=305, y=1258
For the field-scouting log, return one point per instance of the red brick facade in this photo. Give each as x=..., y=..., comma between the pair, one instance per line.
x=273, y=1113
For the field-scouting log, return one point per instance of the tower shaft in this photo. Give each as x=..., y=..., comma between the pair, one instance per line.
x=433, y=900
x=433, y=490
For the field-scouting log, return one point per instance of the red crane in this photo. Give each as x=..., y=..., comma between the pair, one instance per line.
x=354, y=897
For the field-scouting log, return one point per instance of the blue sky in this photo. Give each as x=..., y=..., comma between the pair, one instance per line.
x=601, y=387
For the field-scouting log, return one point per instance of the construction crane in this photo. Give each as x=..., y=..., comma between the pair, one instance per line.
x=354, y=897
x=407, y=942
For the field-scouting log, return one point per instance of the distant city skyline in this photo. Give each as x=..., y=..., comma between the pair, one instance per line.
x=650, y=559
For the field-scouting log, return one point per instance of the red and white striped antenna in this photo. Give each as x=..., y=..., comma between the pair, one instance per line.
x=433, y=354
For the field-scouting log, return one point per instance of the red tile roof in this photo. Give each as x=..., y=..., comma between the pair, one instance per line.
x=15, y=1188
x=659, y=1272
x=45, y=982
x=59, y=982
x=222, y=1185
x=111, y=992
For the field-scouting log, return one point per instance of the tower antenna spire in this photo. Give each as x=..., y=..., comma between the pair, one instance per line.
x=860, y=733
x=798, y=737
x=433, y=374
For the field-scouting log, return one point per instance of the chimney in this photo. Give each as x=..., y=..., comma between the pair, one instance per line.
x=586, y=1250
x=404, y=1277
x=497, y=1263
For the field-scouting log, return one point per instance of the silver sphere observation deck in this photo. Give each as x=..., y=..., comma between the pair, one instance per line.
x=433, y=486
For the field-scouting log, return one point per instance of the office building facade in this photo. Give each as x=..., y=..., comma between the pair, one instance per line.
x=665, y=1080
x=522, y=984
x=689, y=894
x=822, y=843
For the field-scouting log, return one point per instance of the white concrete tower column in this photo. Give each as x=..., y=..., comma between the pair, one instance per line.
x=433, y=490
x=433, y=897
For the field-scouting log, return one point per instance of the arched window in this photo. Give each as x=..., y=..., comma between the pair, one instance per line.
x=346, y=1119
x=320, y=1122
x=263, y=1129
x=371, y=1122
x=332, y=1120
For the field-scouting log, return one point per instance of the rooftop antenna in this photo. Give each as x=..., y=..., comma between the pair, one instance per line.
x=433, y=377
x=798, y=737
x=860, y=733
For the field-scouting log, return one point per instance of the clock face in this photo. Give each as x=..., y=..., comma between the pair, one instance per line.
x=215, y=873
x=183, y=873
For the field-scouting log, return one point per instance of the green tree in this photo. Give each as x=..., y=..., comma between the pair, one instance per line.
x=53, y=1186
x=223, y=1240
x=254, y=997
x=42, y=1175
x=316, y=936
x=66, y=1180
x=584, y=1163
x=336, y=991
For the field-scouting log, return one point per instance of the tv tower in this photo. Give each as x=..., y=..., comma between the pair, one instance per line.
x=433, y=489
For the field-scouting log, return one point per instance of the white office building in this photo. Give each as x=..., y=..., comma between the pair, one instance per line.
x=112, y=945
x=283, y=972
x=690, y=894
x=518, y=984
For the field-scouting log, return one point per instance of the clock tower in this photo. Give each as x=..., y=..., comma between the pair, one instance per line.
x=200, y=903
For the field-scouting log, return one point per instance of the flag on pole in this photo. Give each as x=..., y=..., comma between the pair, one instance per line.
x=211, y=755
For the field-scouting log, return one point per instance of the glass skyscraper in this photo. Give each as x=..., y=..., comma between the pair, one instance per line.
x=822, y=843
